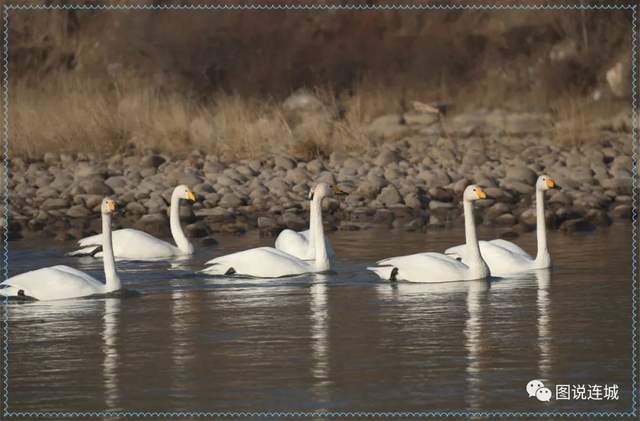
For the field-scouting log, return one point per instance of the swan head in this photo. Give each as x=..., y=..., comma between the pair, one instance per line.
x=545, y=183
x=183, y=192
x=473, y=192
x=109, y=206
x=322, y=190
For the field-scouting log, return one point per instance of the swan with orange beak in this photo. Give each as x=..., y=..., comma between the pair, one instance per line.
x=437, y=267
x=504, y=257
x=133, y=244
x=269, y=262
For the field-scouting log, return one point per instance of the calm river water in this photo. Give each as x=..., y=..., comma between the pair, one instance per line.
x=333, y=342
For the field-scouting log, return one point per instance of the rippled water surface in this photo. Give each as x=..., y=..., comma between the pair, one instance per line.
x=339, y=342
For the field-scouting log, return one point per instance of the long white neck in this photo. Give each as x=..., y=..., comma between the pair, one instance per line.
x=315, y=213
x=317, y=233
x=112, y=282
x=542, y=258
x=473, y=257
x=176, y=229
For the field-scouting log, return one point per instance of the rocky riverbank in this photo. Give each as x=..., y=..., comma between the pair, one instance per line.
x=410, y=177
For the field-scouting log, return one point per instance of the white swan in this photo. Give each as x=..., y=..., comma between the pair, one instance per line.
x=269, y=262
x=138, y=245
x=504, y=257
x=301, y=244
x=61, y=282
x=436, y=267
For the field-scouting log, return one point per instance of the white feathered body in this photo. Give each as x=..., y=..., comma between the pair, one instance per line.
x=437, y=267
x=134, y=244
x=269, y=262
x=261, y=262
x=502, y=257
x=53, y=283
x=297, y=244
x=506, y=258
x=427, y=267
x=63, y=282
x=131, y=244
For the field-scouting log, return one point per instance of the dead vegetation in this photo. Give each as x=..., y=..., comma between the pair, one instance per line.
x=216, y=82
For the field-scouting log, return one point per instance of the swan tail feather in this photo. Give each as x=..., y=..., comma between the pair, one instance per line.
x=387, y=273
x=14, y=293
x=214, y=261
x=86, y=251
x=9, y=291
x=454, y=252
x=219, y=269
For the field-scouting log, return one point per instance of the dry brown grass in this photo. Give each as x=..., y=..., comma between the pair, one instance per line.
x=76, y=114
x=83, y=114
x=176, y=82
x=579, y=120
x=63, y=114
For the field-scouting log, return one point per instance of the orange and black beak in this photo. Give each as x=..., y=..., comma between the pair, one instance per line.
x=551, y=184
x=113, y=207
x=338, y=191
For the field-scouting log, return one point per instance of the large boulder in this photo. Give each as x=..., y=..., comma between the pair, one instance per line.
x=619, y=78
x=96, y=186
x=78, y=211
x=302, y=100
x=86, y=170
x=230, y=200
x=54, y=203
x=386, y=157
x=307, y=116
x=387, y=127
x=283, y=162
x=152, y=161
x=521, y=173
x=389, y=196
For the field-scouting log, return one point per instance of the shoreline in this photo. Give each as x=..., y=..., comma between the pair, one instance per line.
x=409, y=176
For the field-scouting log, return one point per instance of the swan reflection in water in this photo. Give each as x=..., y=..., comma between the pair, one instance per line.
x=421, y=300
x=420, y=297
x=474, y=335
x=111, y=319
x=66, y=326
x=320, y=337
x=475, y=332
x=543, y=278
x=181, y=349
